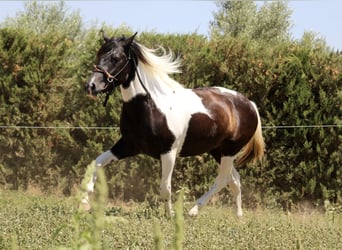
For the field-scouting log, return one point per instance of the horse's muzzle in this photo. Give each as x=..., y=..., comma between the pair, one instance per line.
x=90, y=88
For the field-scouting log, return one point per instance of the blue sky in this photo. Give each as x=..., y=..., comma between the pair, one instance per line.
x=322, y=17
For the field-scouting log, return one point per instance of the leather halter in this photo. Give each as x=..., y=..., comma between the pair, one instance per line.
x=111, y=79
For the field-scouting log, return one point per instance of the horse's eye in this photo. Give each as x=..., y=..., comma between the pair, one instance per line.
x=114, y=60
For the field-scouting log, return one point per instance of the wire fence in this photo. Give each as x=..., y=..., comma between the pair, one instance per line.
x=116, y=127
x=303, y=126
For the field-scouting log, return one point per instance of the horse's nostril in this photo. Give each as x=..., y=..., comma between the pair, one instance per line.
x=90, y=87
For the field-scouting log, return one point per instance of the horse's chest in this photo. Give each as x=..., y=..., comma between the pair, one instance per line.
x=155, y=125
x=145, y=127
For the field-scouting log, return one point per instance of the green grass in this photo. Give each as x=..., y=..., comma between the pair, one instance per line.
x=30, y=221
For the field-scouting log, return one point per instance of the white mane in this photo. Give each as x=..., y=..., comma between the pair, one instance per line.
x=157, y=69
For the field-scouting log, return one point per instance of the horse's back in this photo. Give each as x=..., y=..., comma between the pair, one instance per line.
x=231, y=123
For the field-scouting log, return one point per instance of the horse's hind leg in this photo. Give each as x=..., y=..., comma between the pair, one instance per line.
x=235, y=186
x=225, y=171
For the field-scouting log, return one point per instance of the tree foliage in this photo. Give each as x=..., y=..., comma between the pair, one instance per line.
x=294, y=82
x=244, y=19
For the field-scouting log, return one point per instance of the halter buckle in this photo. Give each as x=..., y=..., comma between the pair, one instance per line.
x=110, y=79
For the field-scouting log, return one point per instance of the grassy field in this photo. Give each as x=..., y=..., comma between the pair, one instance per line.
x=42, y=222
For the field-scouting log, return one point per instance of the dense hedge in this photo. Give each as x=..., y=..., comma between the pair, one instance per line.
x=43, y=72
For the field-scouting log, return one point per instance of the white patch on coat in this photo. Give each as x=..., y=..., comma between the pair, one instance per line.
x=224, y=90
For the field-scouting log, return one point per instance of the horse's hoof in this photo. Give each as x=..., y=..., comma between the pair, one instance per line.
x=239, y=214
x=194, y=211
x=85, y=206
x=170, y=214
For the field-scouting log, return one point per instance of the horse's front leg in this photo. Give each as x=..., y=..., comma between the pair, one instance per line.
x=167, y=162
x=101, y=161
x=117, y=152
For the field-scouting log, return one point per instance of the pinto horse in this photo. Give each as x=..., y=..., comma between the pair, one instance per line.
x=163, y=119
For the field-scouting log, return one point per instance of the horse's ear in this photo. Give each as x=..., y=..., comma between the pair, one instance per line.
x=105, y=37
x=129, y=40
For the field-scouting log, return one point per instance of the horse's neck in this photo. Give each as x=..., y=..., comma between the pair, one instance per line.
x=155, y=85
x=135, y=88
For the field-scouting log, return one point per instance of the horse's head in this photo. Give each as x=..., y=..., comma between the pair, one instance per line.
x=114, y=66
